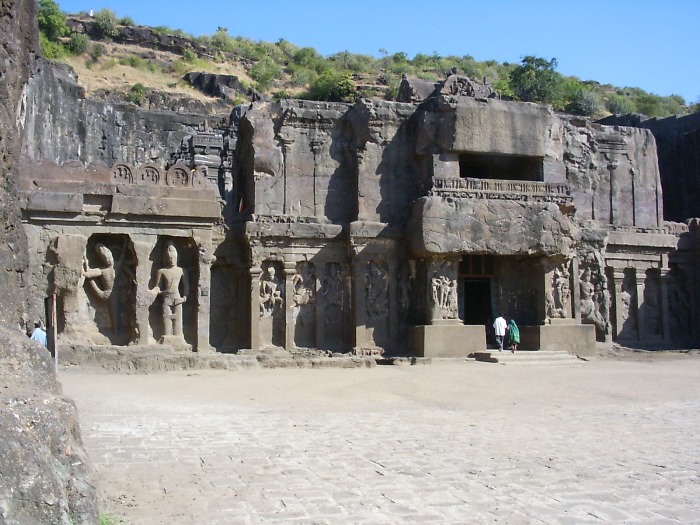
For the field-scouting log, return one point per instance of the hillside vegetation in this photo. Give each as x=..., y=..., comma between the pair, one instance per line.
x=109, y=66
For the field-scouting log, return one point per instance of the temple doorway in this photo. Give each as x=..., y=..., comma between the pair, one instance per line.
x=476, y=301
x=476, y=272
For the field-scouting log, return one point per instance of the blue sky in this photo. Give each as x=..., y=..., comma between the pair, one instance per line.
x=654, y=45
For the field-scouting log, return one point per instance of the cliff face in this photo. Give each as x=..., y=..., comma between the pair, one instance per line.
x=61, y=124
x=43, y=472
x=17, y=54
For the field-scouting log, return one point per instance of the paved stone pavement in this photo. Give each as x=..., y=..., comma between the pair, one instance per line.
x=607, y=442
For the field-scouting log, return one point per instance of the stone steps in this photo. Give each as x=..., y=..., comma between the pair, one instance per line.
x=530, y=358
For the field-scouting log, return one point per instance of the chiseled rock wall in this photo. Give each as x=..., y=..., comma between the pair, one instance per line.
x=61, y=125
x=43, y=475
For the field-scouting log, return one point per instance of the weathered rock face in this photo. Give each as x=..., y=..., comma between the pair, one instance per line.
x=43, y=473
x=678, y=143
x=17, y=53
x=60, y=124
x=497, y=227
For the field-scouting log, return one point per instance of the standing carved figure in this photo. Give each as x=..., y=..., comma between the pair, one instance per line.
x=270, y=293
x=376, y=298
x=106, y=275
x=169, y=282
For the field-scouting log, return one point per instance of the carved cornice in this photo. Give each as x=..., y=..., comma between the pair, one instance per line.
x=468, y=188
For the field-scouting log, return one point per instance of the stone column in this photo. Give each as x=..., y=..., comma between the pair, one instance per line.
x=255, y=273
x=205, y=259
x=143, y=247
x=575, y=290
x=665, y=312
x=618, y=278
x=640, y=277
x=289, y=273
x=393, y=302
x=359, y=270
x=320, y=269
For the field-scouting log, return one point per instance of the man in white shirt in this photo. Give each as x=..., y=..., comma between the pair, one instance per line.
x=499, y=328
x=39, y=334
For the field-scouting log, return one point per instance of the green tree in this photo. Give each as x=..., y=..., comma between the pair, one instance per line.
x=333, y=87
x=52, y=21
x=79, y=43
x=106, y=23
x=584, y=102
x=264, y=72
x=619, y=104
x=536, y=80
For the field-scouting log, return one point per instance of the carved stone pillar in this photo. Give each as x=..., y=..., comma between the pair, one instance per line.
x=393, y=302
x=616, y=285
x=665, y=312
x=289, y=326
x=255, y=273
x=358, y=301
x=205, y=259
x=640, y=277
x=575, y=290
x=320, y=305
x=143, y=247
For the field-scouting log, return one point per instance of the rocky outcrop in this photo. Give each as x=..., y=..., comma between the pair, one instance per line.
x=60, y=124
x=678, y=144
x=221, y=86
x=43, y=475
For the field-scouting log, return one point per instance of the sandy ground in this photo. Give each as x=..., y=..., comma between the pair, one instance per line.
x=608, y=441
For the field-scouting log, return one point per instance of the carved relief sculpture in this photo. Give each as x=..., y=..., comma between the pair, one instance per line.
x=303, y=284
x=170, y=281
x=444, y=293
x=271, y=293
x=376, y=294
x=559, y=295
x=101, y=281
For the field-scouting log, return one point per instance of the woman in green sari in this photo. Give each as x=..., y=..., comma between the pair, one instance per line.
x=513, y=335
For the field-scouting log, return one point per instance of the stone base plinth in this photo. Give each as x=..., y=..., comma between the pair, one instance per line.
x=577, y=339
x=446, y=340
x=177, y=342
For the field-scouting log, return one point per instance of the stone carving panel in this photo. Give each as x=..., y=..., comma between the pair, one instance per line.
x=558, y=301
x=109, y=276
x=272, y=305
x=171, y=286
x=304, y=307
x=595, y=300
x=443, y=289
x=679, y=305
x=377, y=290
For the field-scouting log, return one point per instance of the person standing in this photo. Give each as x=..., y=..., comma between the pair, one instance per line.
x=499, y=328
x=513, y=335
x=39, y=334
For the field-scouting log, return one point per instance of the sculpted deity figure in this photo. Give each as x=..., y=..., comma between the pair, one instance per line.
x=270, y=293
x=169, y=281
x=557, y=300
x=101, y=280
x=376, y=297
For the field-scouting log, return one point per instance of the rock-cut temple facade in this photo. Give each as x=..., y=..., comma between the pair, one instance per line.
x=395, y=228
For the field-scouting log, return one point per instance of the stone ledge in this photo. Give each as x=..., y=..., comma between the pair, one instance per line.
x=159, y=358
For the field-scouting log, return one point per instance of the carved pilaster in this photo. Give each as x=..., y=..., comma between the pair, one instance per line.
x=255, y=273
x=289, y=326
x=575, y=290
x=618, y=278
x=320, y=305
x=665, y=311
x=205, y=258
x=640, y=277
x=143, y=247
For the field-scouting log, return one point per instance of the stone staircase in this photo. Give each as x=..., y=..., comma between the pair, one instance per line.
x=529, y=358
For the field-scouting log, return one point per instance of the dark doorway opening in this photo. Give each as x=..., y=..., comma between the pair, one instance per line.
x=477, y=301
